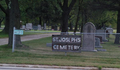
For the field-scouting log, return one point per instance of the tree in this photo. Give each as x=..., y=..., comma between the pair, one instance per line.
x=66, y=8
x=1, y=21
x=111, y=5
x=14, y=21
x=6, y=11
x=79, y=8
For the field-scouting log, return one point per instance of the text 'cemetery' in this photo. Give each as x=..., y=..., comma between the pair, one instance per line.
x=66, y=43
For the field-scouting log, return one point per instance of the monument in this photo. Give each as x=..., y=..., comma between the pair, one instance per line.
x=88, y=43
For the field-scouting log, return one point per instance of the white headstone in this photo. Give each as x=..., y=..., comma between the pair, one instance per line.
x=39, y=27
x=23, y=27
x=29, y=26
x=110, y=30
x=102, y=33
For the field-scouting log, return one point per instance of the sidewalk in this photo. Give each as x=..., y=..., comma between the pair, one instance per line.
x=4, y=41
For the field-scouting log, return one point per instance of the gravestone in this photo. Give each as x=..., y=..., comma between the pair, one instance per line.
x=97, y=43
x=39, y=27
x=23, y=27
x=49, y=44
x=110, y=30
x=28, y=26
x=35, y=27
x=54, y=27
x=100, y=37
x=44, y=26
x=88, y=43
x=102, y=32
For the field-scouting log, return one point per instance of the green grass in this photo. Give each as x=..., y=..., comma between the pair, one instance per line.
x=38, y=53
x=38, y=32
x=32, y=32
x=3, y=35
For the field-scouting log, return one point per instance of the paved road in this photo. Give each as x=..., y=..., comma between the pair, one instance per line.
x=4, y=41
x=23, y=68
x=42, y=67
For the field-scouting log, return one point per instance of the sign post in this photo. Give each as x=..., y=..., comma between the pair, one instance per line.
x=13, y=46
x=16, y=32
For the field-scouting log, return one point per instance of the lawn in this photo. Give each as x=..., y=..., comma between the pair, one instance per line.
x=31, y=32
x=38, y=53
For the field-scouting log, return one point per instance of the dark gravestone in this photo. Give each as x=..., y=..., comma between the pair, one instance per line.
x=88, y=43
x=54, y=27
x=35, y=27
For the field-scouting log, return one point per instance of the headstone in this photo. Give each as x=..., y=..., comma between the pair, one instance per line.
x=44, y=26
x=28, y=26
x=88, y=37
x=23, y=27
x=110, y=30
x=102, y=33
x=35, y=27
x=100, y=37
x=49, y=44
x=103, y=50
x=97, y=43
x=54, y=27
x=39, y=27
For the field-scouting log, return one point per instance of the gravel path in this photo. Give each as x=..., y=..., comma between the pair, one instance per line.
x=4, y=41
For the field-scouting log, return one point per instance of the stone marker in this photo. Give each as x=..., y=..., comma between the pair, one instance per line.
x=88, y=43
x=102, y=33
x=49, y=44
x=23, y=27
x=39, y=27
x=100, y=37
x=35, y=27
x=28, y=26
x=110, y=30
x=44, y=26
x=97, y=43
x=103, y=50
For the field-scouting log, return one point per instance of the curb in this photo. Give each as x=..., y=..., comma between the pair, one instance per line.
x=47, y=66
x=55, y=67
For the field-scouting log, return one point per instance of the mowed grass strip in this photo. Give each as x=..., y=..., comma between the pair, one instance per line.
x=38, y=53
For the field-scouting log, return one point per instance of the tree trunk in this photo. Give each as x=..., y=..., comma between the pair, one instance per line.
x=65, y=21
x=40, y=22
x=65, y=14
x=82, y=22
x=118, y=28
x=14, y=22
x=7, y=21
x=77, y=18
x=71, y=26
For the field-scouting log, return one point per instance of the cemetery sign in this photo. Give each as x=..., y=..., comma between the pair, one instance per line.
x=66, y=43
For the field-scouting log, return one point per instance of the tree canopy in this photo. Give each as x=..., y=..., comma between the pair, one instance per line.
x=64, y=13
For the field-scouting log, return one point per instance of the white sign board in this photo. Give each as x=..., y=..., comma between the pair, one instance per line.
x=18, y=32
